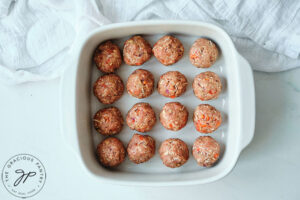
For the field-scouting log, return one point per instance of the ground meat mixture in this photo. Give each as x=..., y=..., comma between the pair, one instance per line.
x=207, y=118
x=203, y=53
x=141, y=117
x=111, y=152
x=108, y=88
x=172, y=84
x=207, y=86
x=206, y=151
x=136, y=51
x=107, y=57
x=174, y=116
x=141, y=148
x=108, y=121
x=174, y=152
x=168, y=50
x=140, y=84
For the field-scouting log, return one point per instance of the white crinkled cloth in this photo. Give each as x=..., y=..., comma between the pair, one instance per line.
x=38, y=38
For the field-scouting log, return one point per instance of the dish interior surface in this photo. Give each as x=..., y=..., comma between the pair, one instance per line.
x=228, y=134
x=188, y=134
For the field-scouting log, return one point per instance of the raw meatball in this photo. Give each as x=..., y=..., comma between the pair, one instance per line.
x=173, y=152
x=172, y=84
x=173, y=116
x=108, y=88
x=141, y=148
x=207, y=86
x=108, y=121
x=168, y=50
x=206, y=151
x=141, y=117
x=136, y=51
x=107, y=57
x=111, y=152
x=203, y=53
x=207, y=118
x=140, y=83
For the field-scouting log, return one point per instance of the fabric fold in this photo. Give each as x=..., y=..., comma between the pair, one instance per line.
x=38, y=39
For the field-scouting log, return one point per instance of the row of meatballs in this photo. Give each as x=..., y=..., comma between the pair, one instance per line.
x=173, y=152
x=141, y=118
x=140, y=84
x=168, y=50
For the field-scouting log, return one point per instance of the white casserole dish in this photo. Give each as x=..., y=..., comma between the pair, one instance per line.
x=236, y=103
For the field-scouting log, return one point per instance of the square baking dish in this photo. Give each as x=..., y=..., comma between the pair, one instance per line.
x=236, y=103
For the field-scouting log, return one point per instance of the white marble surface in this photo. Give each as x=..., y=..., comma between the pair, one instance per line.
x=267, y=169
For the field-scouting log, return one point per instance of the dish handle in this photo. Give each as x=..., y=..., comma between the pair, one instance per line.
x=247, y=103
x=67, y=109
